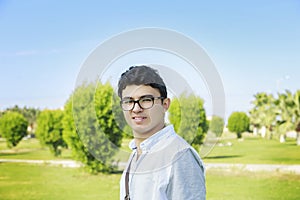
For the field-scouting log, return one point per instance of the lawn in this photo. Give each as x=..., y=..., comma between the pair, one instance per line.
x=30, y=149
x=28, y=181
x=255, y=150
x=252, y=150
x=237, y=185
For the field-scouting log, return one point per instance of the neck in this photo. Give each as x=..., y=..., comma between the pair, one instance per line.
x=138, y=141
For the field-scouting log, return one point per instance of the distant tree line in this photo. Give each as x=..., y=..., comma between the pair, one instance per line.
x=277, y=115
x=273, y=116
x=92, y=124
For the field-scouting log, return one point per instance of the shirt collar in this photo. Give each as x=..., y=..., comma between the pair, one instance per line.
x=154, y=139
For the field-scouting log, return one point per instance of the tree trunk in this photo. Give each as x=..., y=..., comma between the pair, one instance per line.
x=255, y=131
x=239, y=135
x=298, y=138
x=263, y=131
x=282, y=138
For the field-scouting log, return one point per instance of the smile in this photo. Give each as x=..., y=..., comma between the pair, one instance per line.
x=138, y=118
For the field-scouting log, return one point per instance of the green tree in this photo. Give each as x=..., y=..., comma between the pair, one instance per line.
x=238, y=122
x=90, y=129
x=13, y=127
x=263, y=112
x=298, y=133
x=49, y=130
x=286, y=114
x=29, y=113
x=188, y=116
x=216, y=125
x=297, y=114
x=281, y=114
x=109, y=113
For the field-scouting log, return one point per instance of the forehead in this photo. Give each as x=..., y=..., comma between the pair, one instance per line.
x=136, y=91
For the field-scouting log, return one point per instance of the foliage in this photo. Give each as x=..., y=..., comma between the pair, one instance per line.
x=188, y=116
x=109, y=113
x=49, y=130
x=281, y=114
x=216, y=125
x=13, y=127
x=29, y=113
x=264, y=111
x=90, y=129
x=285, y=111
x=297, y=115
x=297, y=105
x=238, y=122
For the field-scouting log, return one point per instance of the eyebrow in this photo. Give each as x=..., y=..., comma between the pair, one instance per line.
x=146, y=95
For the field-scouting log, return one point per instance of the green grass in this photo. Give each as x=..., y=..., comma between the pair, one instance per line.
x=252, y=185
x=255, y=150
x=30, y=149
x=252, y=150
x=30, y=182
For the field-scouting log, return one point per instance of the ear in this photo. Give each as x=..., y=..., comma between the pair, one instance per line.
x=166, y=104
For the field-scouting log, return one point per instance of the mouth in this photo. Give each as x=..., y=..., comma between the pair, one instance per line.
x=138, y=119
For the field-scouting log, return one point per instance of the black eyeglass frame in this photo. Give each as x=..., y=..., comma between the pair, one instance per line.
x=138, y=102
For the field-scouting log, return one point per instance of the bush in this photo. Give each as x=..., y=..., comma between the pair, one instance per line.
x=216, y=125
x=49, y=130
x=188, y=116
x=238, y=123
x=13, y=127
x=90, y=129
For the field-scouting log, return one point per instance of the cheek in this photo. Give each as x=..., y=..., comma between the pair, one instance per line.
x=157, y=113
x=126, y=116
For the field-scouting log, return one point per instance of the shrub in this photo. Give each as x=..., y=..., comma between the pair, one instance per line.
x=13, y=127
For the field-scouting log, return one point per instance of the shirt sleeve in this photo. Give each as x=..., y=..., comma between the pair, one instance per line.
x=187, y=178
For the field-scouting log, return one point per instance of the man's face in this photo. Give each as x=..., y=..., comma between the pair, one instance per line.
x=145, y=122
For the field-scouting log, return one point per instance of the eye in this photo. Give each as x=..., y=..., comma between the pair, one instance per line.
x=146, y=100
x=127, y=101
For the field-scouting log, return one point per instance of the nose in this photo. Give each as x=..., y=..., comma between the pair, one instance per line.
x=137, y=107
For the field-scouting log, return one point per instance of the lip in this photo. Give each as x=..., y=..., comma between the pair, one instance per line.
x=138, y=119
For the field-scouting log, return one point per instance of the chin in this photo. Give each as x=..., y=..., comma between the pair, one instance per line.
x=140, y=130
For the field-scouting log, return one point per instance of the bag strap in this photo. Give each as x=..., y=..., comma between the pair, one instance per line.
x=127, y=197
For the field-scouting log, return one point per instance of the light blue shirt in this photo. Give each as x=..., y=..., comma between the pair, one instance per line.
x=168, y=169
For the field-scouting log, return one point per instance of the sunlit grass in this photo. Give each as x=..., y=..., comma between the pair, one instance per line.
x=22, y=181
x=252, y=150
x=30, y=182
x=255, y=150
x=236, y=185
x=30, y=149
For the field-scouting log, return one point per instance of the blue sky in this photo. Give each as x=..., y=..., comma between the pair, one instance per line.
x=255, y=45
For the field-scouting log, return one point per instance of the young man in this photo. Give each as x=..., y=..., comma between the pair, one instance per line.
x=162, y=165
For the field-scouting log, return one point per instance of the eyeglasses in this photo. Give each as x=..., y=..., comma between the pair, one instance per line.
x=144, y=102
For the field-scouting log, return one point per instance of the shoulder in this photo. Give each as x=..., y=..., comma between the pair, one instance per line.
x=187, y=177
x=188, y=157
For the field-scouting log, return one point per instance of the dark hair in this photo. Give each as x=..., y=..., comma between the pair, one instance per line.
x=142, y=75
